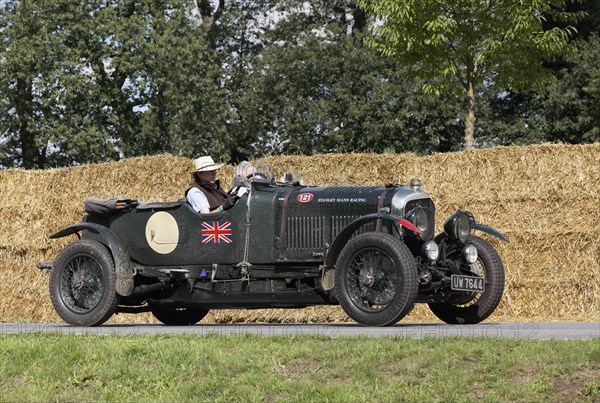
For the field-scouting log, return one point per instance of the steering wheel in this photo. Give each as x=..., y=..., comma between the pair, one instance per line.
x=253, y=177
x=258, y=177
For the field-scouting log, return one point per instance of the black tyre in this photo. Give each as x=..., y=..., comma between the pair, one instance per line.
x=470, y=308
x=376, y=279
x=178, y=316
x=82, y=284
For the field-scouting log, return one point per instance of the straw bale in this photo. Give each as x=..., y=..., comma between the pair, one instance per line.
x=545, y=198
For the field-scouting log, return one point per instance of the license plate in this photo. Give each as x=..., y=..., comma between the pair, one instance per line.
x=467, y=283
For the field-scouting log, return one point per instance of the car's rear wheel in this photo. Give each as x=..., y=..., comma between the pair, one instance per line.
x=83, y=284
x=376, y=279
x=178, y=316
x=471, y=308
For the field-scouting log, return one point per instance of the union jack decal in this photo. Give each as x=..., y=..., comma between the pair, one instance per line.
x=216, y=232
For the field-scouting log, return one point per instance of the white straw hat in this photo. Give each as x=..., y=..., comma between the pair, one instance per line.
x=205, y=163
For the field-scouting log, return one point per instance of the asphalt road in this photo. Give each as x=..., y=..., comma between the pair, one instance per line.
x=511, y=330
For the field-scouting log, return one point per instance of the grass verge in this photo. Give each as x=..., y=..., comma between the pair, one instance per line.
x=42, y=367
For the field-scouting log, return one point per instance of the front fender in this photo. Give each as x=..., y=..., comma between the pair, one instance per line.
x=120, y=256
x=451, y=226
x=491, y=231
x=342, y=238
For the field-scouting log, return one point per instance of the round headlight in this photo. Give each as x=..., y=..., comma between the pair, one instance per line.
x=470, y=254
x=431, y=250
x=422, y=220
x=460, y=225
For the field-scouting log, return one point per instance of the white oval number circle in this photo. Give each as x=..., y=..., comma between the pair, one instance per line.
x=162, y=232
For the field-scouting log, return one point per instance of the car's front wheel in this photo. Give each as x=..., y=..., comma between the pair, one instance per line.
x=471, y=308
x=178, y=316
x=83, y=284
x=376, y=279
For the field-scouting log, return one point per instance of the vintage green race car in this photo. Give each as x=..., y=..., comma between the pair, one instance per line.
x=372, y=250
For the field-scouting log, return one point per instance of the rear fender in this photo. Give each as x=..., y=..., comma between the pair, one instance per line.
x=119, y=253
x=342, y=238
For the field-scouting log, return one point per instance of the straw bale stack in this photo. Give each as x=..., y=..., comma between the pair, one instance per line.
x=545, y=198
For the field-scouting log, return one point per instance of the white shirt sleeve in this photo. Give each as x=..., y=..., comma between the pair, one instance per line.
x=197, y=199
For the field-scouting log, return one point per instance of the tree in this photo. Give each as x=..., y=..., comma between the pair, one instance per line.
x=88, y=81
x=238, y=37
x=569, y=107
x=186, y=112
x=310, y=86
x=62, y=94
x=488, y=45
x=564, y=111
x=27, y=80
x=156, y=83
x=588, y=24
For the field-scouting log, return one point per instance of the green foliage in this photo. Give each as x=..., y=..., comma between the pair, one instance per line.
x=29, y=79
x=570, y=111
x=509, y=118
x=475, y=46
x=179, y=81
x=499, y=41
x=564, y=111
x=317, y=89
x=91, y=81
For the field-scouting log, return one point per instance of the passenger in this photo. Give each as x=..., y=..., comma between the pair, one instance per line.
x=286, y=178
x=205, y=193
x=243, y=172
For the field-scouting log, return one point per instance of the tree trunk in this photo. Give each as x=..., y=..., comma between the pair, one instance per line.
x=360, y=23
x=210, y=15
x=23, y=102
x=470, y=118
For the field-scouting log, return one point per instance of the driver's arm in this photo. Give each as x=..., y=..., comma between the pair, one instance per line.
x=199, y=201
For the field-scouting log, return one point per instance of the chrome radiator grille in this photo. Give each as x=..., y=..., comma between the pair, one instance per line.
x=315, y=232
x=306, y=232
x=338, y=223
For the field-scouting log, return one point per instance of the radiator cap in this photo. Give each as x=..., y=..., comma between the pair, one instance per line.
x=415, y=184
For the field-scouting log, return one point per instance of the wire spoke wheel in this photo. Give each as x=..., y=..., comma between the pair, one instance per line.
x=474, y=307
x=83, y=284
x=376, y=279
x=372, y=280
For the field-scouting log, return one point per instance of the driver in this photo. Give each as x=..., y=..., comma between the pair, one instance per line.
x=205, y=193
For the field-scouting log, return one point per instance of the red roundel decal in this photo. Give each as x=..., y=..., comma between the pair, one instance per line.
x=305, y=197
